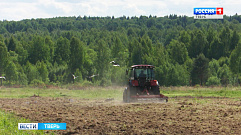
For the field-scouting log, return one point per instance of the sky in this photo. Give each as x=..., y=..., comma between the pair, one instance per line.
x=27, y=9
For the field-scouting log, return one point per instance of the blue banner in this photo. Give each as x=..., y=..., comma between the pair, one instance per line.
x=51, y=126
x=204, y=11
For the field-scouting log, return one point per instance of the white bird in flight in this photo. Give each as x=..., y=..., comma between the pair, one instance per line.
x=115, y=64
x=74, y=76
x=93, y=76
x=3, y=77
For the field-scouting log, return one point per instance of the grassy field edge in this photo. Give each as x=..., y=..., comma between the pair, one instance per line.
x=117, y=92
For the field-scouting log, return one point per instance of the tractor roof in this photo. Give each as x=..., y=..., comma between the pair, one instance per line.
x=142, y=66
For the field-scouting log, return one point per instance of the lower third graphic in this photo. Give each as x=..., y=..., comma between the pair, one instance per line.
x=41, y=126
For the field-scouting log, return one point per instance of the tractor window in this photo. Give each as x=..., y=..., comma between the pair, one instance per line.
x=148, y=73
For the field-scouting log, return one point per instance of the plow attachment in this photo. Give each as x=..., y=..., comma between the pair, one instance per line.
x=127, y=97
x=154, y=98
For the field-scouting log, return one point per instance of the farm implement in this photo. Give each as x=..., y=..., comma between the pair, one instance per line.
x=142, y=86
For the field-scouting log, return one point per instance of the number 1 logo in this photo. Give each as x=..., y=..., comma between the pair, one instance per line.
x=219, y=11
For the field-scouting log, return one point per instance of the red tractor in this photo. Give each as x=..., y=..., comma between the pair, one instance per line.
x=142, y=86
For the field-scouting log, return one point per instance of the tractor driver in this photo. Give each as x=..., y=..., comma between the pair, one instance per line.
x=142, y=74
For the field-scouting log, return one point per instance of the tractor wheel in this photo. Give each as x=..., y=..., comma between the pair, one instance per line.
x=126, y=96
x=156, y=90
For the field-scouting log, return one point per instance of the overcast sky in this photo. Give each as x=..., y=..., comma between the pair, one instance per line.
x=28, y=9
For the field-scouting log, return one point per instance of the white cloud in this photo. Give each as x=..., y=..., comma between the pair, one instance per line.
x=19, y=10
x=27, y=9
x=66, y=7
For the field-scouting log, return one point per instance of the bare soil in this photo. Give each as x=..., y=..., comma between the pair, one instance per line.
x=179, y=116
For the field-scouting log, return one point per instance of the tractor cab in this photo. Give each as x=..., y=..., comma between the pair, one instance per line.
x=142, y=75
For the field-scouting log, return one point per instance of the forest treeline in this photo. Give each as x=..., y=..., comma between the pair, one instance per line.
x=185, y=51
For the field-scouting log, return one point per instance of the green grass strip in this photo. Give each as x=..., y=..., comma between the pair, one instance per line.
x=202, y=92
x=89, y=93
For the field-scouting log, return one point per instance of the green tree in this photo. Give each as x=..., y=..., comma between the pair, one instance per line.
x=3, y=57
x=216, y=49
x=49, y=43
x=213, y=80
x=59, y=73
x=162, y=74
x=117, y=47
x=131, y=45
x=78, y=74
x=178, y=51
x=234, y=40
x=224, y=74
x=22, y=78
x=151, y=22
x=189, y=67
x=62, y=52
x=22, y=54
x=13, y=56
x=235, y=60
x=213, y=67
x=178, y=76
x=172, y=75
x=118, y=75
x=119, y=53
x=77, y=54
x=146, y=44
x=137, y=52
x=43, y=71
x=103, y=65
x=40, y=51
x=184, y=38
x=89, y=64
x=211, y=35
x=225, y=37
x=223, y=60
x=1, y=38
x=160, y=55
x=199, y=73
x=198, y=44
x=31, y=71
x=12, y=44
x=11, y=72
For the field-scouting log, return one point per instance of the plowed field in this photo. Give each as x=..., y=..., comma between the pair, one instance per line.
x=184, y=115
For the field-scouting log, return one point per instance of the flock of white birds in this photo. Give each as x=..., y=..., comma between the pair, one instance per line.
x=74, y=77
